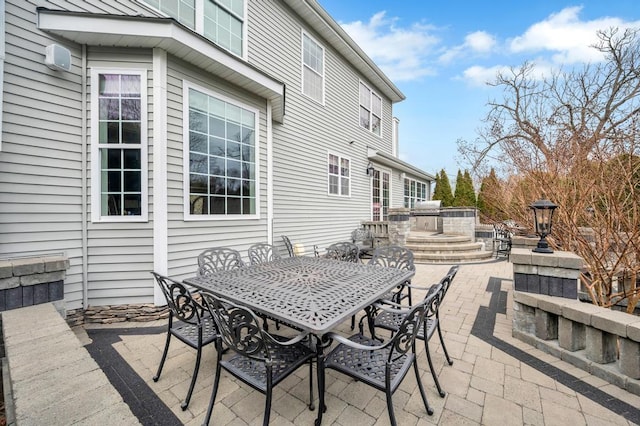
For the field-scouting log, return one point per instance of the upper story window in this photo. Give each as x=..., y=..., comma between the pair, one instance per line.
x=414, y=192
x=221, y=21
x=118, y=145
x=312, y=69
x=220, y=153
x=370, y=109
x=339, y=174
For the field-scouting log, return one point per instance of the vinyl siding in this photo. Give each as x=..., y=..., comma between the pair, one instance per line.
x=303, y=209
x=40, y=164
x=127, y=280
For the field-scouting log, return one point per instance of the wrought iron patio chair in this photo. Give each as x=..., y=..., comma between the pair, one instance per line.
x=382, y=366
x=261, y=360
x=344, y=251
x=385, y=315
x=395, y=257
x=262, y=253
x=189, y=321
x=502, y=240
x=364, y=240
x=288, y=245
x=217, y=259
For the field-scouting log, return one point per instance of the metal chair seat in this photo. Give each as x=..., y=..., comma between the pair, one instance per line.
x=369, y=366
x=285, y=360
x=391, y=321
x=188, y=333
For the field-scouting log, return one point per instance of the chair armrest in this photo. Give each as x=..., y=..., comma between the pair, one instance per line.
x=343, y=340
x=292, y=341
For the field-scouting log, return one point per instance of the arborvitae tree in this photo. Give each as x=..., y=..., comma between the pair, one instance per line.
x=442, y=191
x=490, y=192
x=465, y=195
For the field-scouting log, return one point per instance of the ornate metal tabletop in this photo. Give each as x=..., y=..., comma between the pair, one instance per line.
x=314, y=294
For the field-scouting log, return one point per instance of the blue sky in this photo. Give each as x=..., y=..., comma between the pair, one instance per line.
x=441, y=54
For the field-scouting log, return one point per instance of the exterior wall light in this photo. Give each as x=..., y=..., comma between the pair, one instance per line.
x=542, y=218
x=370, y=169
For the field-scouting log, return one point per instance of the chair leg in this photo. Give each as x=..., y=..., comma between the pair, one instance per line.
x=444, y=348
x=353, y=322
x=214, y=392
x=392, y=416
x=269, y=395
x=164, y=356
x=311, y=404
x=421, y=387
x=433, y=371
x=185, y=404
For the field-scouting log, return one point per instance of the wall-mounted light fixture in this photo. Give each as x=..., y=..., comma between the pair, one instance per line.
x=403, y=176
x=370, y=169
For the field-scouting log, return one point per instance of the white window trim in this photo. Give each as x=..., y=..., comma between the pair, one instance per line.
x=381, y=170
x=199, y=10
x=373, y=92
x=426, y=189
x=302, y=66
x=188, y=217
x=96, y=208
x=340, y=158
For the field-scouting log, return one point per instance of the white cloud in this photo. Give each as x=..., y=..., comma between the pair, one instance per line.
x=478, y=42
x=400, y=52
x=479, y=76
x=566, y=35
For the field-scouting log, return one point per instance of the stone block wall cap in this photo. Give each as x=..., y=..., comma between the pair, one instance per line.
x=614, y=322
x=633, y=331
x=526, y=298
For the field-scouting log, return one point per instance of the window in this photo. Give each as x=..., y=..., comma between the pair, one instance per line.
x=118, y=145
x=370, y=109
x=414, y=192
x=381, y=195
x=312, y=69
x=339, y=175
x=220, y=156
x=221, y=21
x=182, y=10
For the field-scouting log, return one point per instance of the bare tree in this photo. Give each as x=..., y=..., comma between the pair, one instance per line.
x=572, y=137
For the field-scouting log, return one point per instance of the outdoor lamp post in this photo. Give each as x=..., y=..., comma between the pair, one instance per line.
x=542, y=217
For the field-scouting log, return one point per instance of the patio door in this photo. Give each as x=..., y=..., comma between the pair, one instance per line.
x=380, y=195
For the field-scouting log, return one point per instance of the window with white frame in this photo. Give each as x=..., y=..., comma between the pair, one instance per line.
x=118, y=145
x=370, y=109
x=339, y=169
x=312, y=69
x=414, y=192
x=221, y=21
x=381, y=195
x=220, y=154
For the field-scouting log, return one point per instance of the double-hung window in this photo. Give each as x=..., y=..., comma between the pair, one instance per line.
x=370, y=109
x=220, y=156
x=339, y=175
x=119, y=145
x=312, y=68
x=221, y=21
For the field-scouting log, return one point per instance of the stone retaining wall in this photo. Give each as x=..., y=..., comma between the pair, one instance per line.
x=32, y=281
x=604, y=342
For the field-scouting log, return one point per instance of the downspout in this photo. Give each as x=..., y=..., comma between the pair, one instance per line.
x=269, y=174
x=84, y=214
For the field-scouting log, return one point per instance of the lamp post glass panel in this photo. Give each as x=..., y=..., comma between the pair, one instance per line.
x=543, y=219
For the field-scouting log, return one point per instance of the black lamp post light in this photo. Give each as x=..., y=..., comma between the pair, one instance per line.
x=543, y=217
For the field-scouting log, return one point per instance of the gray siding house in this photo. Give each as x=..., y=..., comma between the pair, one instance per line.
x=136, y=133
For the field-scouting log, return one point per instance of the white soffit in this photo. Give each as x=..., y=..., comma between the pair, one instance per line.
x=167, y=34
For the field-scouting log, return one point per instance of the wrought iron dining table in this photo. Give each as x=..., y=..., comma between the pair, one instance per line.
x=313, y=294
